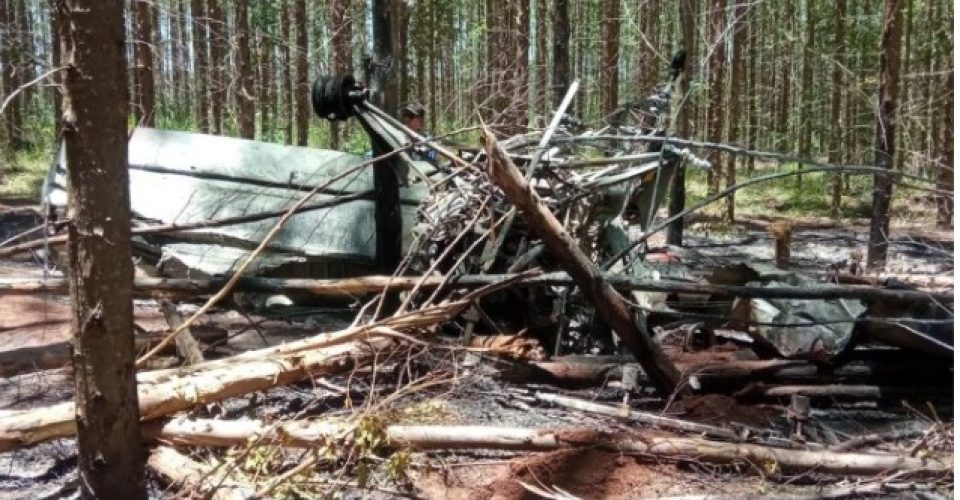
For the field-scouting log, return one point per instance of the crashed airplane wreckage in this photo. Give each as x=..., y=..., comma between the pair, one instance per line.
x=574, y=208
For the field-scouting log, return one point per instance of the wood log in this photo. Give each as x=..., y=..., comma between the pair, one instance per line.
x=204, y=384
x=58, y=354
x=609, y=303
x=843, y=391
x=225, y=433
x=638, y=416
x=189, y=475
x=163, y=392
x=187, y=347
x=175, y=287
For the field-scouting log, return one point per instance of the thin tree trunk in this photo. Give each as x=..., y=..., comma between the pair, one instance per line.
x=302, y=89
x=736, y=93
x=286, y=79
x=946, y=166
x=245, y=95
x=886, y=133
x=786, y=60
x=678, y=194
x=752, y=110
x=609, y=72
x=342, y=27
x=540, y=103
x=716, y=81
x=218, y=85
x=806, y=91
x=57, y=27
x=8, y=74
x=198, y=12
x=143, y=44
x=561, y=49
x=836, y=123
x=101, y=277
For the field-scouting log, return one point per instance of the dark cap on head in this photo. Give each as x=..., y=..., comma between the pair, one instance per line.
x=413, y=108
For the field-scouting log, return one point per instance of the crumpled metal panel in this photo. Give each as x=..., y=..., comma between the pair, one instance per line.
x=181, y=177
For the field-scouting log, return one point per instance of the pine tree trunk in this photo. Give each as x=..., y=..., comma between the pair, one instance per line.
x=886, y=133
x=715, y=82
x=786, y=60
x=678, y=191
x=609, y=72
x=302, y=89
x=836, y=121
x=752, y=110
x=285, y=69
x=561, y=49
x=946, y=166
x=143, y=43
x=201, y=71
x=182, y=49
x=541, y=100
x=56, y=60
x=216, y=23
x=111, y=460
x=806, y=91
x=736, y=93
x=245, y=95
x=342, y=27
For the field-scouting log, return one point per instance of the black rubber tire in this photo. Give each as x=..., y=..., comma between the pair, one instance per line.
x=330, y=97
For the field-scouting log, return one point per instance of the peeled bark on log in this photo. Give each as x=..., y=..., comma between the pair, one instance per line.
x=226, y=433
x=559, y=373
x=163, y=392
x=57, y=355
x=189, y=475
x=609, y=303
x=202, y=385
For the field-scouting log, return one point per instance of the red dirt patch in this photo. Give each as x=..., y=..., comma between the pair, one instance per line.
x=719, y=409
x=583, y=472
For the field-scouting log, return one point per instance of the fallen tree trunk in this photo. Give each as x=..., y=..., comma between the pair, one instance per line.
x=187, y=474
x=610, y=305
x=225, y=433
x=56, y=355
x=208, y=384
x=146, y=286
x=163, y=392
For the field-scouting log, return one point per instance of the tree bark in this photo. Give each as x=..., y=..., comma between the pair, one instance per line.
x=217, y=26
x=101, y=269
x=143, y=43
x=201, y=72
x=561, y=49
x=610, y=57
x=836, y=121
x=245, y=94
x=678, y=190
x=285, y=68
x=302, y=89
x=945, y=169
x=886, y=133
x=718, y=9
x=610, y=305
x=806, y=89
x=226, y=433
x=57, y=26
x=342, y=38
x=7, y=76
x=736, y=96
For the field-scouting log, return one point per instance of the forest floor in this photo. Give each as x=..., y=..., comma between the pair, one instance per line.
x=476, y=396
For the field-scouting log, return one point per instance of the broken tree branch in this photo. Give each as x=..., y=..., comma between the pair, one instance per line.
x=225, y=433
x=376, y=284
x=610, y=305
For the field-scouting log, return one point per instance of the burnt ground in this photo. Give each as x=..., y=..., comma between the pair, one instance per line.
x=476, y=396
